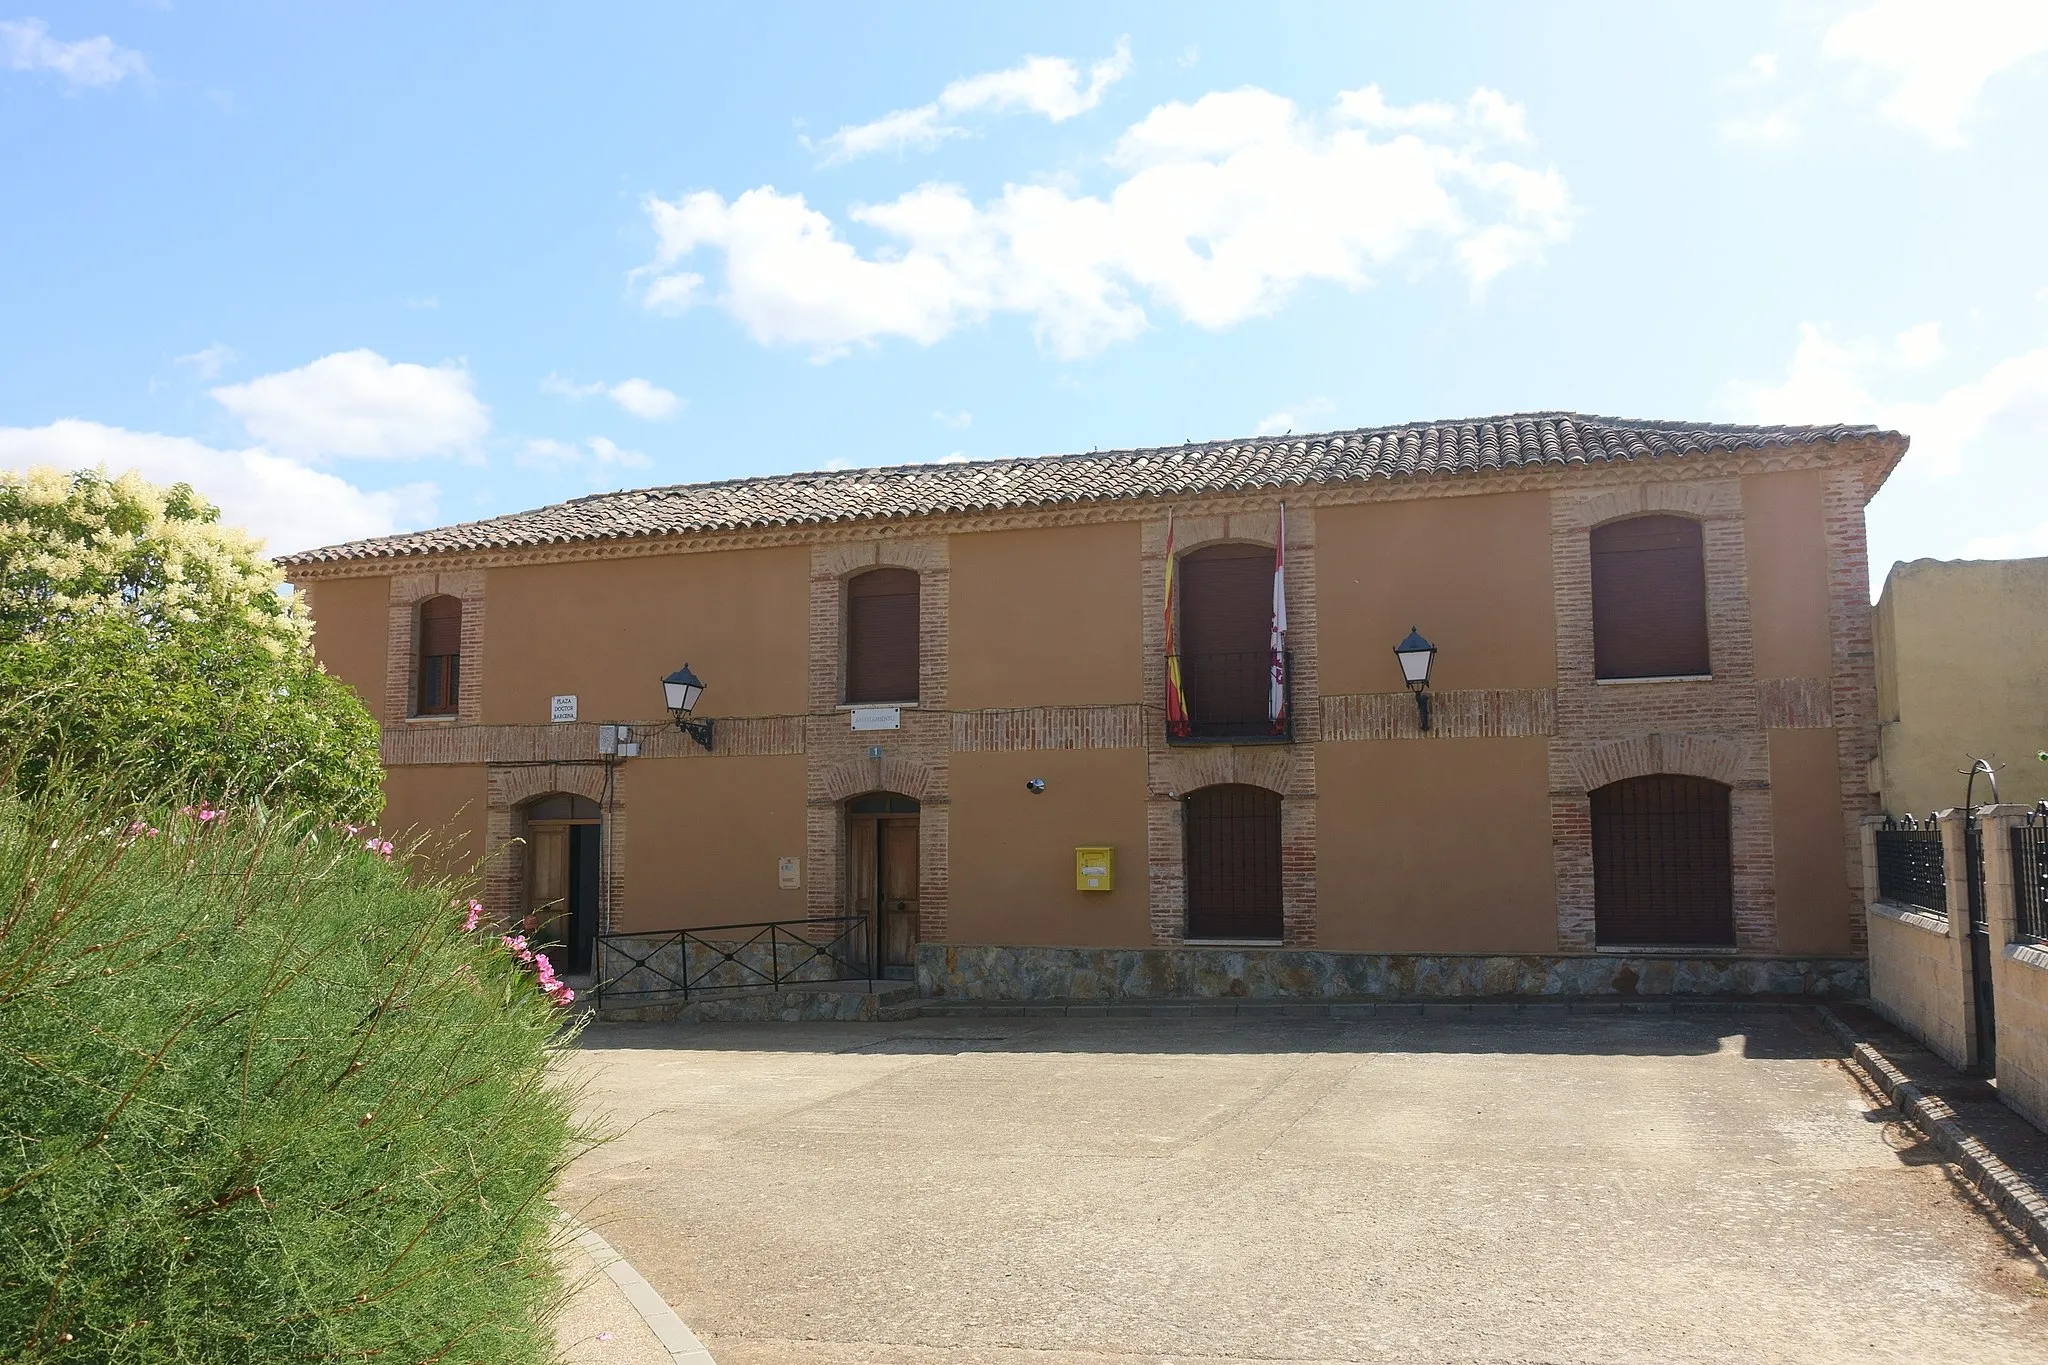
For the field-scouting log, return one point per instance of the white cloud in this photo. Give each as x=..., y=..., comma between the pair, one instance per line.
x=1769, y=129
x=26, y=45
x=1764, y=66
x=1226, y=206
x=956, y=420
x=1050, y=86
x=640, y=397
x=592, y=457
x=645, y=400
x=291, y=506
x=1940, y=54
x=357, y=403
x=1288, y=418
x=207, y=361
x=1974, y=443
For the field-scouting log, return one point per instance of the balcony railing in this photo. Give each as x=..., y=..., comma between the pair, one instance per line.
x=1227, y=698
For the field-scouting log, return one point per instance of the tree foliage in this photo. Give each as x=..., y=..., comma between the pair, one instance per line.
x=139, y=635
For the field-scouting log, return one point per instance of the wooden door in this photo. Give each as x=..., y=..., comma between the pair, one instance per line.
x=547, y=878
x=1663, y=871
x=897, y=875
x=1233, y=864
x=863, y=878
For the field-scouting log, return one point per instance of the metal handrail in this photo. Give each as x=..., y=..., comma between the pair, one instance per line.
x=733, y=950
x=1248, y=672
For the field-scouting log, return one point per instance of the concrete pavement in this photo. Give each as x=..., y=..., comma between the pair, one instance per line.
x=1690, y=1187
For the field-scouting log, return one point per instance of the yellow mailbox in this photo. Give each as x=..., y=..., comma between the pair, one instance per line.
x=1094, y=869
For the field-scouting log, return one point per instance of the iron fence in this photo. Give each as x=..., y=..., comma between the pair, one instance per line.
x=1228, y=696
x=2030, y=879
x=1910, y=870
x=687, y=963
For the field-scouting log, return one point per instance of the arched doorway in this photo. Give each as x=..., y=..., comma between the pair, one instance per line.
x=1232, y=835
x=1663, y=871
x=564, y=852
x=882, y=876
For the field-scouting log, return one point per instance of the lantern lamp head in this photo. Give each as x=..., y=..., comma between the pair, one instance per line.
x=680, y=690
x=1416, y=655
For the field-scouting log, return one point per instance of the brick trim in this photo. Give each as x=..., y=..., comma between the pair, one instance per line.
x=511, y=786
x=401, y=643
x=1468, y=714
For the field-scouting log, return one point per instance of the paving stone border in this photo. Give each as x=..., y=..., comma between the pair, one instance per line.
x=678, y=1340
x=1210, y=1007
x=2008, y=1191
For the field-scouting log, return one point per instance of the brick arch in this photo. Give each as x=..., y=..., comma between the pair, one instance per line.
x=856, y=776
x=1272, y=766
x=1688, y=513
x=515, y=786
x=1721, y=760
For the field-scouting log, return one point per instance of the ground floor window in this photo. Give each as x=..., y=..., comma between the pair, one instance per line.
x=1663, y=874
x=1233, y=863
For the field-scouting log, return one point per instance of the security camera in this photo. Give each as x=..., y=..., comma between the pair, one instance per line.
x=1036, y=786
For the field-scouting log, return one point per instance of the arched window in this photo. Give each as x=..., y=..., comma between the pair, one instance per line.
x=440, y=661
x=1225, y=609
x=881, y=636
x=1663, y=873
x=1233, y=863
x=1649, y=599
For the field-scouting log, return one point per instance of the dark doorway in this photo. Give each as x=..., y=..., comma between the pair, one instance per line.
x=1225, y=637
x=1233, y=864
x=1662, y=871
x=564, y=843
x=882, y=877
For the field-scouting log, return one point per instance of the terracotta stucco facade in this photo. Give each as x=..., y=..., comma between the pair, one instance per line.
x=1041, y=655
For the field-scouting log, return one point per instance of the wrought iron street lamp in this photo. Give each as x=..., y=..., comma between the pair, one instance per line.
x=680, y=690
x=1417, y=655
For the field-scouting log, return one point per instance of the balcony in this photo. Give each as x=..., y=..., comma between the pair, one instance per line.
x=1226, y=698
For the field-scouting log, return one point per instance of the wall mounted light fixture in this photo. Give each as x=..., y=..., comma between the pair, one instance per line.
x=680, y=690
x=1417, y=655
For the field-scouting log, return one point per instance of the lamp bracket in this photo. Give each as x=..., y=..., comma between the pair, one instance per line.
x=699, y=730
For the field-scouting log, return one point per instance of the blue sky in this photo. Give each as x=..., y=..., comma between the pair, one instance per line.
x=359, y=268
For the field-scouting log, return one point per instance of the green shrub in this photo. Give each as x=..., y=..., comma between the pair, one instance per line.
x=262, y=1099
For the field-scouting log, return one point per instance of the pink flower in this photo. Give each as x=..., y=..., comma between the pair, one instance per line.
x=476, y=912
x=516, y=944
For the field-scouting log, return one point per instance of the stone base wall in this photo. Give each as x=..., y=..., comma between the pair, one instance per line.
x=1920, y=978
x=993, y=972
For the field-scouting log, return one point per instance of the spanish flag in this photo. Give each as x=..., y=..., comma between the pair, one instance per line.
x=1177, y=721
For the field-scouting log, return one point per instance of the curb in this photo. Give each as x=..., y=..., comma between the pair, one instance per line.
x=678, y=1340
x=2004, y=1187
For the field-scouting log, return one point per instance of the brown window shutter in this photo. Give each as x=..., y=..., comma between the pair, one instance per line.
x=1649, y=599
x=441, y=626
x=1663, y=870
x=881, y=636
x=1225, y=633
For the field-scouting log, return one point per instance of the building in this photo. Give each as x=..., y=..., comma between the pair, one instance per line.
x=933, y=687
x=1962, y=673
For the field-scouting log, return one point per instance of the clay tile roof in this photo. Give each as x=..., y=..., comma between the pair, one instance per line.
x=1415, y=450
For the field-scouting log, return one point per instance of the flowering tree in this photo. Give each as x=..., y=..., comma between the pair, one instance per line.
x=138, y=635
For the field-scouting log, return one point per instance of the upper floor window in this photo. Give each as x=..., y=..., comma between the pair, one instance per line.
x=1649, y=599
x=881, y=636
x=1224, y=607
x=440, y=662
